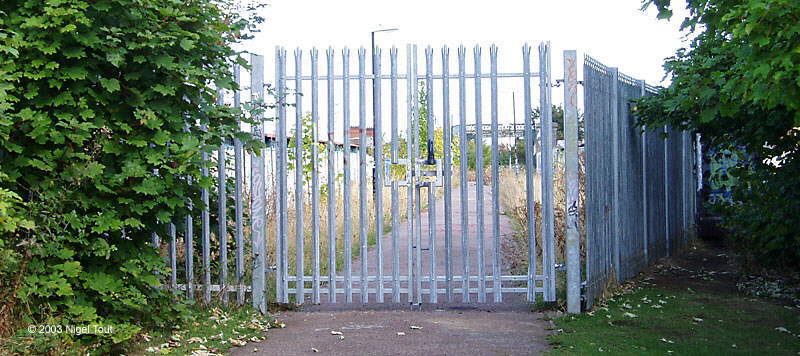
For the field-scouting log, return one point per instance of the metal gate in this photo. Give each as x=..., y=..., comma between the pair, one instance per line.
x=385, y=197
x=400, y=200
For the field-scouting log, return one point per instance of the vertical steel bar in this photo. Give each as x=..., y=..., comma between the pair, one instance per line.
x=571, y=173
x=685, y=186
x=645, y=203
x=283, y=193
x=378, y=161
x=257, y=186
x=331, y=178
x=418, y=246
x=299, y=169
x=547, y=171
x=222, y=212
x=362, y=172
x=238, y=209
x=417, y=237
x=173, y=263
x=496, y=283
x=348, y=234
x=281, y=113
x=698, y=179
x=189, y=247
x=315, y=176
x=395, y=193
x=667, y=193
x=615, y=170
x=448, y=172
x=205, y=228
x=463, y=167
x=479, y=176
x=529, y=172
x=432, y=285
x=411, y=118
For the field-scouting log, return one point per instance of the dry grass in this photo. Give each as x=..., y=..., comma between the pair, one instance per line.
x=355, y=204
x=513, y=199
x=271, y=218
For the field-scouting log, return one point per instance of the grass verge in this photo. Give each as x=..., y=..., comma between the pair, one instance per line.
x=683, y=306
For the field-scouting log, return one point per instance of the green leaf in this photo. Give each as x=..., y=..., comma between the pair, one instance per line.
x=164, y=90
x=71, y=268
x=187, y=44
x=111, y=85
x=163, y=61
x=75, y=72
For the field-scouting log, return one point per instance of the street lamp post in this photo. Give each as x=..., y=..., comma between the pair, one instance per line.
x=375, y=97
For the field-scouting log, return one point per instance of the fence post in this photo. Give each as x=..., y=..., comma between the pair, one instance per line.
x=257, y=216
x=546, y=119
x=615, y=228
x=571, y=173
x=238, y=186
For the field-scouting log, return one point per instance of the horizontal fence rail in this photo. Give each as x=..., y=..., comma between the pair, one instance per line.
x=381, y=182
x=352, y=201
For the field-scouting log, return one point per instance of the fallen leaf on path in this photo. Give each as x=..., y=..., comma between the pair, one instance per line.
x=236, y=342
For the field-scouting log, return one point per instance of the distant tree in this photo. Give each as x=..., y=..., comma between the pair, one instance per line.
x=558, y=121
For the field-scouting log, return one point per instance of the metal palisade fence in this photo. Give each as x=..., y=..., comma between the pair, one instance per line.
x=640, y=182
x=328, y=212
x=374, y=186
x=417, y=245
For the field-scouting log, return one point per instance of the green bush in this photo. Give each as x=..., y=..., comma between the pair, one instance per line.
x=737, y=84
x=101, y=107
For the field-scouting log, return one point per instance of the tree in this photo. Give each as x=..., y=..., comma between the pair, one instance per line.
x=422, y=140
x=105, y=109
x=308, y=144
x=558, y=121
x=738, y=85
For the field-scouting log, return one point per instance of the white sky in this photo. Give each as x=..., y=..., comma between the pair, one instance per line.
x=615, y=32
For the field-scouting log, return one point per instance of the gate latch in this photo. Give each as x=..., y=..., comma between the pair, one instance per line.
x=428, y=171
x=396, y=172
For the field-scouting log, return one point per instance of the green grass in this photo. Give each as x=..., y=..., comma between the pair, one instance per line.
x=687, y=322
x=213, y=329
